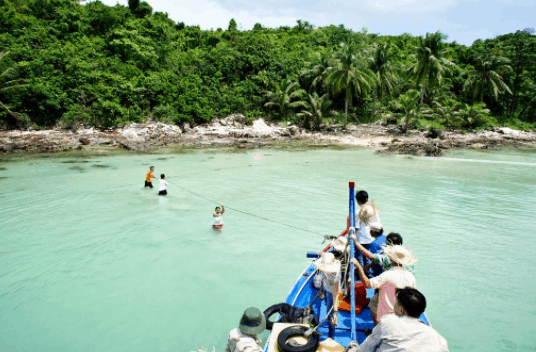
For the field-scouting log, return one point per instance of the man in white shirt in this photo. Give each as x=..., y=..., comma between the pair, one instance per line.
x=404, y=331
x=366, y=214
x=245, y=337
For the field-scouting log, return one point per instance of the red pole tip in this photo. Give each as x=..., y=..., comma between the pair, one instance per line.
x=352, y=185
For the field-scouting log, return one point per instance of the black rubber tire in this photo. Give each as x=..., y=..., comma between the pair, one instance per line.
x=294, y=331
x=276, y=308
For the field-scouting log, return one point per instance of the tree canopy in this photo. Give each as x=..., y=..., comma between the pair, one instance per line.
x=101, y=65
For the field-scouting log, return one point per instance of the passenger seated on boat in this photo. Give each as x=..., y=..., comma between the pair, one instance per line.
x=245, y=337
x=367, y=214
x=328, y=278
x=396, y=277
x=403, y=331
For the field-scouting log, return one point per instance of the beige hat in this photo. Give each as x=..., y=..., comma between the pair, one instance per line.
x=376, y=226
x=400, y=255
x=339, y=244
x=328, y=264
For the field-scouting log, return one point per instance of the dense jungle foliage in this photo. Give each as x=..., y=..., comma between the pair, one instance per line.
x=67, y=63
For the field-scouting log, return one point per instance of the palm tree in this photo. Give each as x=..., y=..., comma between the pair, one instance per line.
x=316, y=109
x=282, y=97
x=383, y=70
x=430, y=65
x=319, y=70
x=473, y=115
x=485, y=75
x=350, y=74
x=8, y=84
x=447, y=110
x=410, y=110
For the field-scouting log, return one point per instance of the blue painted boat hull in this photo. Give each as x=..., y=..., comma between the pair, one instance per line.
x=304, y=291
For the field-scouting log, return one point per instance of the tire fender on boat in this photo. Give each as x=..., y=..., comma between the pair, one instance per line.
x=276, y=308
x=295, y=331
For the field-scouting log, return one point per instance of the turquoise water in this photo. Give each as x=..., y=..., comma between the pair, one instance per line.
x=92, y=261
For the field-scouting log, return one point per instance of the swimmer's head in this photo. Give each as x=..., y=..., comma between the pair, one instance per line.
x=162, y=176
x=218, y=209
x=151, y=168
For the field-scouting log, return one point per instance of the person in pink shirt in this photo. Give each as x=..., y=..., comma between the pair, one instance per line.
x=396, y=277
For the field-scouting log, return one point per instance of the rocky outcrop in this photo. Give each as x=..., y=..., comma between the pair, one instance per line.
x=238, y=131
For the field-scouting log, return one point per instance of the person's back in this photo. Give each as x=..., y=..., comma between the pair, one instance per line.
x=245, y=338
x=405, y=333
x=375, y=247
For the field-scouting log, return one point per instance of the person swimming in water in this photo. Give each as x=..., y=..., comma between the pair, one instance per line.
x=218, y=217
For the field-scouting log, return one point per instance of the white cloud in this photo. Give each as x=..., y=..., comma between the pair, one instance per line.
x=411, y=6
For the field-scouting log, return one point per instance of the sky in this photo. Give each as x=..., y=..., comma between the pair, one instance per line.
x=463, y=21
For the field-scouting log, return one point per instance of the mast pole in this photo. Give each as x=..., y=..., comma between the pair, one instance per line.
x=353, y=334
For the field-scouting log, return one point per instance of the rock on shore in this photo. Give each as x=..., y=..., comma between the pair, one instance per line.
x=235, y=130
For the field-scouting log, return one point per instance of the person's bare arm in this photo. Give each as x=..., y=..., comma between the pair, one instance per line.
x=362, y=249
x=364, y=278
x=335, y=293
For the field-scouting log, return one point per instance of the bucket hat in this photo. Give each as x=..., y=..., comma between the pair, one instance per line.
x=400, y=255
x=253, y=321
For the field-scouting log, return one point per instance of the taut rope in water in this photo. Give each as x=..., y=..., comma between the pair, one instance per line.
x=250, y=214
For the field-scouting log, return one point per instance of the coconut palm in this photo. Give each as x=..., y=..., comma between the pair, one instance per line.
x=410, y=110
x=447, y=110
x=8, y=84
x=316, y=110
x=383, y=70
x=473, y=115
x=485, y=75
x=282, y=96
x=319, y=70
x=431, y=64
x=350, y=74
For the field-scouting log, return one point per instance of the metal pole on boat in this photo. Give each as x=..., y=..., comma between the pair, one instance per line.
x=353, y=334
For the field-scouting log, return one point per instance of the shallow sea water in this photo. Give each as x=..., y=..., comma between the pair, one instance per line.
x=92, y=261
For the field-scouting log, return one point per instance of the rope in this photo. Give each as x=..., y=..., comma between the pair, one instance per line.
x=250, y=214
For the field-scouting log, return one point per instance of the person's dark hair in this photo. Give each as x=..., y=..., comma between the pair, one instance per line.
x=361, y=197
x=412, y=300
x=151, y=167
x=162, y=176
x=217, y=208
x=393, y=239
x=378, y=232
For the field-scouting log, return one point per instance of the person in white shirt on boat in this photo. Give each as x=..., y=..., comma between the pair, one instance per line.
x=366, y=215
x=245, y=338
x=396, y=277
x=328, y=278
x=404, y=331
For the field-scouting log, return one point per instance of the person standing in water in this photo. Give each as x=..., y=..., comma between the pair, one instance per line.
x=149, y=177
x=163, y=185
x=218, y=217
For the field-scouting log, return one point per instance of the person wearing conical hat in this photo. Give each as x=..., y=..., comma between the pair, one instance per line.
x=328, y=278
x=396, y=277
x=245, y=338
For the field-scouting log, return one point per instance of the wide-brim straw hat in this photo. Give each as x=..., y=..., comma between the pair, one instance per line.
x=400, y=255
x=340, y=244
x=328, y=264
x=253, y=321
